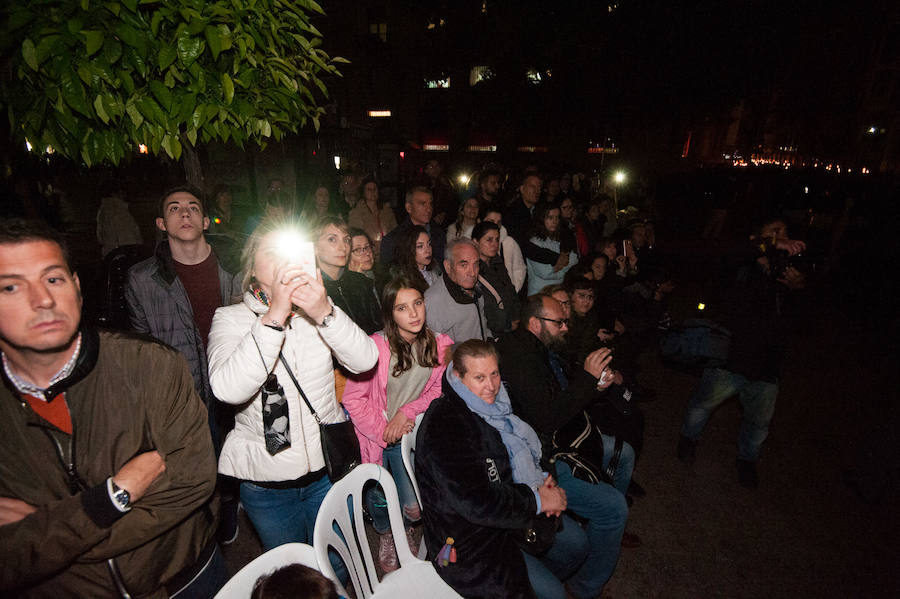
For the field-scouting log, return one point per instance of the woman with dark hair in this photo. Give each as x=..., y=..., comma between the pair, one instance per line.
x=466, y=218
x=501, y=302
x=384, y=402
x=413, y=256
x=589, y=228
x=547, y=236
x=318, y=205
x=372, y=215
x=362, y=253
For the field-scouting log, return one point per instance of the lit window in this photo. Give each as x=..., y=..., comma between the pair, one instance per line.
x=532, y=149
x=478, y=74
x=379, y=114
x=378, y=30
x=436, y=147
x=533, y=76
x=482, y=148
x=437, y=83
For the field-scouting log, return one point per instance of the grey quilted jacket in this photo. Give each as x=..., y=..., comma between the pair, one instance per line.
x=158, y=305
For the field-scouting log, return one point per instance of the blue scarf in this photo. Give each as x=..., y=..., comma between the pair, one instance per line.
x=522, y=443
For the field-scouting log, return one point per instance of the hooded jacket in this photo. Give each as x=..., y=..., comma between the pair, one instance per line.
x=126, y=396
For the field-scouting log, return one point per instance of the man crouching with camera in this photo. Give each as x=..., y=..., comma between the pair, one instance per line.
x=751, y=305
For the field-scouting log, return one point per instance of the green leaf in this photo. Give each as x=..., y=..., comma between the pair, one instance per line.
x=101, y=110
x=44, y=49
x=28, y=53
x=197, y=119
x=132, y=110
x=130, y=5
x=112, y=50
x=214, y=39
x=155, y=20
x=169, y=79
x=85, y=74
x=162, y=94
x=73, y=92
x=191, y=134
x=130, y=36
x=227, y=88
x=166, y=56
x=189, y=48
x=127, y=81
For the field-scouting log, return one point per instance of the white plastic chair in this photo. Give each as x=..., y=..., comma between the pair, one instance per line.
x=408, y=450
x=241, y=584
x=343, y=509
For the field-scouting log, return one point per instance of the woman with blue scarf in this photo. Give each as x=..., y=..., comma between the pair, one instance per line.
x=481, y=483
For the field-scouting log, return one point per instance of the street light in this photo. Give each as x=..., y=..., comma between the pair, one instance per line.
x=618, y=179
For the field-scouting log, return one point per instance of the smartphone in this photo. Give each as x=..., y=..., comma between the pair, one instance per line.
x=305, y=257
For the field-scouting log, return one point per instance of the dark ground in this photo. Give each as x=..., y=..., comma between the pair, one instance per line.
x=803, y=533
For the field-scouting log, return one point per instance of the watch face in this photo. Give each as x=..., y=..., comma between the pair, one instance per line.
x=123, y=497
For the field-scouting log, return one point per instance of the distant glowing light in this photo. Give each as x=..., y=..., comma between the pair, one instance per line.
x=464, y=179
x=532, y=149
x=701, y=306
x=49, y=150
x=379, y=114
x=337, y=162
x=482, y=148
x=402, y=155
x=142, y=148
x=805, y=189
x=873, y=129
x=619, y=177
x=436, y=147
x=28, y=145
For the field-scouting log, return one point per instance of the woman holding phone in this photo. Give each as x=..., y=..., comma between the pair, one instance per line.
x=285, y=323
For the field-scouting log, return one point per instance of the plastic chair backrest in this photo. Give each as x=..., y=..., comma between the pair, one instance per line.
x=241, y=584
x=408, y=450
x=340, y=526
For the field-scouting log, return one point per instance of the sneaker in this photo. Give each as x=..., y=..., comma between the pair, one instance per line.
x=387, y=555
x=747, y=475
x=413, y=539
x=687, y=449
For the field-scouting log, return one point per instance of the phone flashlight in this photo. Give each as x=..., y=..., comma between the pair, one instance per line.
x=291, y=246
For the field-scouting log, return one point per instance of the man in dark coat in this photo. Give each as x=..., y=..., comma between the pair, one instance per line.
x=419, y=206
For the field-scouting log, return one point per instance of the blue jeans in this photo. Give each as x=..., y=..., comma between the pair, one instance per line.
x=622, y=475
x=546, y=573
x=287, y=515
x=757, y=398
x=392, y=459
x=605, y=510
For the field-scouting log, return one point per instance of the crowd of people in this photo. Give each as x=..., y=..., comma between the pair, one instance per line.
x=511, y=320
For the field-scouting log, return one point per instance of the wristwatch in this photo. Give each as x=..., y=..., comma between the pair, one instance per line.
x=272, y=323
x=120, y=497
x=326, y=322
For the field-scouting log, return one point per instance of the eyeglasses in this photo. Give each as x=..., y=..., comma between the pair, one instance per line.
x=366, y=249
x=563, y=322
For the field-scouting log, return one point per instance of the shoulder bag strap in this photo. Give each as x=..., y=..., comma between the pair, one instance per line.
x=299, y=388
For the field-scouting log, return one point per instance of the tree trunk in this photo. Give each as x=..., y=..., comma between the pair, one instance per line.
x=193, y=171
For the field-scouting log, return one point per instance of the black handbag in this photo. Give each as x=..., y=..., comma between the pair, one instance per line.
x=538, y=536
x=579, y=445
x=340, y=446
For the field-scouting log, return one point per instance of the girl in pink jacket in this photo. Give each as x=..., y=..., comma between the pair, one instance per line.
x=384, y=402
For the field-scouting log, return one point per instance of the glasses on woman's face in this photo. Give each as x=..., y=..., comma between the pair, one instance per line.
x=366, y=249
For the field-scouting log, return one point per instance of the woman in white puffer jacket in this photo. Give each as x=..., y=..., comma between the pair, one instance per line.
x=282, y=485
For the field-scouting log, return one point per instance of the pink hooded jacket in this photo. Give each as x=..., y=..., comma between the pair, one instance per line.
x=365, y=397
